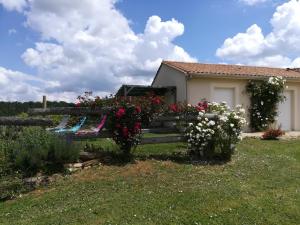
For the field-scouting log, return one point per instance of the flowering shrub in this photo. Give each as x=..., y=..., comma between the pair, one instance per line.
x=187, y=109
x=272, y=134
x=264, y=96
x=88, y=100
x=211, y=138
x=151, y=104
x=125, y=126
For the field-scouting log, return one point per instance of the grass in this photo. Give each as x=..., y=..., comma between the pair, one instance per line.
x=261, y=185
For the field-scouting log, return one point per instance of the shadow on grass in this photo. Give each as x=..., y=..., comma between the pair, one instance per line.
x=121, y=159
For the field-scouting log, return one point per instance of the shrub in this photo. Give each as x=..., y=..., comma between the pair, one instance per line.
x=151, y=104
x=125, y=126
x=11, y=184
x=187, y=109
x=264, y=96
x=272, y=134
x=215, y=138
x=38, y=150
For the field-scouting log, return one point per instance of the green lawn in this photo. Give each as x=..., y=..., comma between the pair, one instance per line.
x=261, y=185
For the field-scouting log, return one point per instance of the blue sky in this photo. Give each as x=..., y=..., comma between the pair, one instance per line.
x=63, y=47
x=207, y=23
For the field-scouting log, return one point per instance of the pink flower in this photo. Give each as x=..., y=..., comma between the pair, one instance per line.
x=205, y=105
x=202, y=106
x=120, y=113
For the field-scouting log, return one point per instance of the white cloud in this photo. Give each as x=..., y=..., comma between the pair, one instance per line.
x=89, y=45
x=252, y=2
x=243, y=44
x=17, y=5
x=296, y=63
x=18, y=86
x=279, y=48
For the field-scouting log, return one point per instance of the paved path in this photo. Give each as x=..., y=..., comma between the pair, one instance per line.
x=288, y=135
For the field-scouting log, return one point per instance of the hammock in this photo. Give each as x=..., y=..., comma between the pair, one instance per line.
x=63, y=123
x=93, y=131
x=72, y=129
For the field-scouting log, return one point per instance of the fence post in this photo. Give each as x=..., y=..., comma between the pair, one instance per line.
x=44, y=102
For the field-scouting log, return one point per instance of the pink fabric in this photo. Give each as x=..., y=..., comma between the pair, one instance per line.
x=94, y=130
x=100, y=126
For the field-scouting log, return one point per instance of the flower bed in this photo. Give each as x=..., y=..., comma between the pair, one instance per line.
x=206, y=138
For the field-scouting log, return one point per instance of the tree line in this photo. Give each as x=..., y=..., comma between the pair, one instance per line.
x=16, y=108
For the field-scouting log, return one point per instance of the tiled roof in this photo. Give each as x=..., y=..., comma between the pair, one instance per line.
x=195, y=69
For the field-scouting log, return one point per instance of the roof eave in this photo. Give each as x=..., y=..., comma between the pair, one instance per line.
x=236, y=76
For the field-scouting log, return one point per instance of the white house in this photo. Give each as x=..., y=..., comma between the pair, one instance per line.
x=218, y=82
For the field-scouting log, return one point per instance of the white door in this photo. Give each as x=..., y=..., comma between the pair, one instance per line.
x=224, y=95
x=285, y=112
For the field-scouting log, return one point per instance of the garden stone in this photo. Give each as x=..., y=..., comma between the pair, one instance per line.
x=77, y=165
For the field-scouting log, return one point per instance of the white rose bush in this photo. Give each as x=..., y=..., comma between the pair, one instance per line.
x=215, y=137
x=264, y=97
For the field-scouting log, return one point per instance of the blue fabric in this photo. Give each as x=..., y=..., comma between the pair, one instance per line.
x=61, y=125
x=73, y=129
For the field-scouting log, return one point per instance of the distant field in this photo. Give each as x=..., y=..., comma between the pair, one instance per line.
x=261, y=185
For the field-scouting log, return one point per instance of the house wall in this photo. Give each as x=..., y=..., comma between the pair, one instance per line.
x=168, y=76
x=202, y=88
x=193, y=90
x=294, y=87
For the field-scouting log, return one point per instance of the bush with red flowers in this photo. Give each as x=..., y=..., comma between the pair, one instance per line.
x=124, y=123
x=187, y=109
x=88, y=100
x=151, y=106
x=272, y=134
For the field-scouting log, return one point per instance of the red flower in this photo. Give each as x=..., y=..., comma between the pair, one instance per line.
x=205, y=105
x=156, y=101
x=137, y=126
x=174, y=107
x=77, y=104
x=118, y=125
x=138, y=109
x=125, y=132
x=120, y=113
